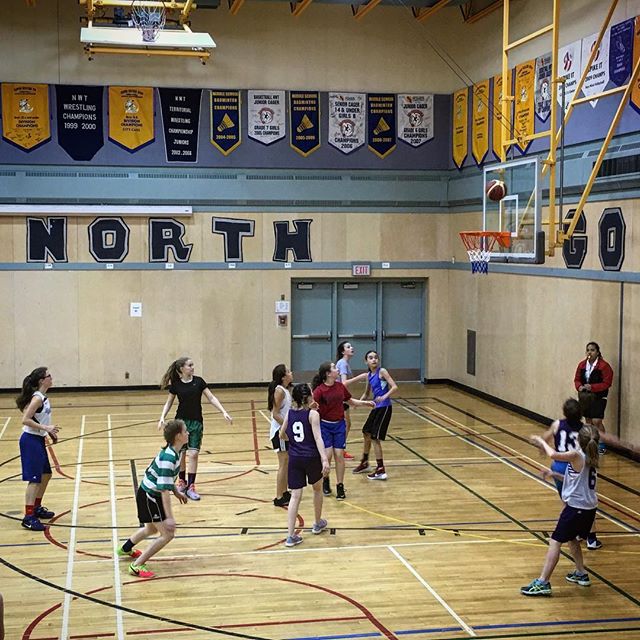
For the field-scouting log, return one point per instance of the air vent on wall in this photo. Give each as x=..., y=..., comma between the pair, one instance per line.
x=623, y=165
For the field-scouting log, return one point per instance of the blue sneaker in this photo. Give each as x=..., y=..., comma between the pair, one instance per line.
x=32, y=523
x=43, y=513
x=602, y=449
x=319, y=526
x=536, y=588
x=578, y=578
x=293, y=540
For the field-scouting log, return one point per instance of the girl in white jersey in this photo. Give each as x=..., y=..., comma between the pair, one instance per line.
x=576, y=519
x=36, y=421
x=279, y=403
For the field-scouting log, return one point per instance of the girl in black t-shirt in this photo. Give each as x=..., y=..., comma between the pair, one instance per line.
x=181, y=382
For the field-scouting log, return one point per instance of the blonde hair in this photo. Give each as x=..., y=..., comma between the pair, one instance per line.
x=588, y=439
x=172, y=374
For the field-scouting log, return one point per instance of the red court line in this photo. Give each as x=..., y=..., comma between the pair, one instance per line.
x=254, y=425
x=367, y=615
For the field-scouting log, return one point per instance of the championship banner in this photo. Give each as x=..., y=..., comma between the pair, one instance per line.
x=180, y=122
x=80, y=120
x=480, y=121
x=225, y=120
x=598, y=76
x=381, y=123
x=415, y=118
x=621, y=51
x=131, y=123
x=25, y=115
x=501, y=131
x=346, y=121
x=524, y=110
x=543, y=87
x=570, y=65
x=266, y=115
x=304, y=116
x=460, y=126
x=634, y=101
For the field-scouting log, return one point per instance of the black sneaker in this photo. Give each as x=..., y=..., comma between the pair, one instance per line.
x=42, y=513
x=340, y=494
x=281, y=502
x=326, y=487
x=594, y=544
x=287, y=495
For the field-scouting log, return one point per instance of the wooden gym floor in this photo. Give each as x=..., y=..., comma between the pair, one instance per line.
x=440, y=550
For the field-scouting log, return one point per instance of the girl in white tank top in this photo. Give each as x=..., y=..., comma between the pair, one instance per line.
x=279, y=403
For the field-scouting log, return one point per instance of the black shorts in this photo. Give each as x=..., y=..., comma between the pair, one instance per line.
x=595, y=408
x=150, y=508
x=378, y=422
x=573, y=523
x=279, y=445
x=302, y=469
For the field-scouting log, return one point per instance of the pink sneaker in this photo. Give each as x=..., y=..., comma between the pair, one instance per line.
x=181, y=485
x=192, y=494
x=347, y=455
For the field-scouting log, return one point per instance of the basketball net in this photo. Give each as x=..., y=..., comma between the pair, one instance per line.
x=148, y=20
x=479, y=246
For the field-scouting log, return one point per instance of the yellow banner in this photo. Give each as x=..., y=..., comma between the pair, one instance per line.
x=131, y=116
x=524, y=111
x=635, y=90
x=25, y=115
x=500, y=132
x=460, y=126
x=480, y=121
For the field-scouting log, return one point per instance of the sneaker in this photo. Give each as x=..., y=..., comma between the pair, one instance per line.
x=32, y=523
x=293, y=540
x=602, y=449
x=536, y=588
x=134, y=553
x=378, y=474
x=347, y=455
x=319, y=527
x=340, y=494
x=140, y=571
x=287, y=495
x=326, y=487
x=594, y=544
x=579, y=578
x=181, y=485
x=191, y=493
x=362, y=467
x=43, y=513
x=281, y=502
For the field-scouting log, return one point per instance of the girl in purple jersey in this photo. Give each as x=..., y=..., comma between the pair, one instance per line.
x=307, y=458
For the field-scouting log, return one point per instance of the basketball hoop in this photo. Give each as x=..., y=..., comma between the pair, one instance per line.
x=148, y=20
x=480, y=244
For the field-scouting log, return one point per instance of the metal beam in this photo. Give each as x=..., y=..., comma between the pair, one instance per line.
x=234, y=6
x=186, y=10
x=483, y=13
x=421, y=16
x=531, y=36
x=298, y=7
x=360, y=11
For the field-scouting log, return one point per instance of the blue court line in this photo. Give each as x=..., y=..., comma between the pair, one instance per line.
x=483, y=627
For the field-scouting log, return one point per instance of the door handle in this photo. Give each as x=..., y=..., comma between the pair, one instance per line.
x=362, y=336
x=386, y=335
x=313, y=336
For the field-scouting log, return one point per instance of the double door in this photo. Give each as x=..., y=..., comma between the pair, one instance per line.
x=387, y=316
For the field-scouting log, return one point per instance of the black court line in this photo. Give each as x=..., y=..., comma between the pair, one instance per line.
x=541, y=634
x=135, y=612
x=504, y=431
x=134, y=476
x=513, y=519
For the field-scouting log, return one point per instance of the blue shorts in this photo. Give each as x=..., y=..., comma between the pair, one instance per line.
x=34, y=458
x=334, y=434
x=558, y=466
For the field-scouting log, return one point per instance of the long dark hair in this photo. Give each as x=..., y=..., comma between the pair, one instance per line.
x=29, y=385
x=277, y=375
x=172, y=374
x=340, y=352
x=301, y=393
x=321, y=376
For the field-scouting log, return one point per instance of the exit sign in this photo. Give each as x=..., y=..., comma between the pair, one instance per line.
x=361, y=270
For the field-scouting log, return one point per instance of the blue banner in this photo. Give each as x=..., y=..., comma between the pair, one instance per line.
x=225, y=120
x=381, y=123
x=180, y=122
x=80, y=120
x=621, y=52
x=304, y=114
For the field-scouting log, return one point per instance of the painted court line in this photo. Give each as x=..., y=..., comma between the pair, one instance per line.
x=433, y=592
x=71, y=549
x=4, y=427
x=114, y=537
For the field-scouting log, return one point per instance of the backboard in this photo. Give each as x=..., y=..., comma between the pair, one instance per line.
x=519, y=212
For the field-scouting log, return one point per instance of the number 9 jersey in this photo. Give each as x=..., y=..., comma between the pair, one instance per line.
x=302, y=444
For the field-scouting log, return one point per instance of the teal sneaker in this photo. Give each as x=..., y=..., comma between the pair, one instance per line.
x=536, y=588
x=579, y=578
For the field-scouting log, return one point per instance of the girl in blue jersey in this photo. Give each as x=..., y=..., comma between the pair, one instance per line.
x=563, y=435
x=381, y=385
x=307, y=458
x=581, y=502
x=36, y=425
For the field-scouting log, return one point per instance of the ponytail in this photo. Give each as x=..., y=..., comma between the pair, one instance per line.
x=588, y=439
x=321, y=376
x=277, y=375
x=29, y=386
x=172, y=374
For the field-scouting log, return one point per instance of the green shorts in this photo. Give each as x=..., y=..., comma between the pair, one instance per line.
x=194, y=429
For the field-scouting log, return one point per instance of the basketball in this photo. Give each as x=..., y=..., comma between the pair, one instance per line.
x=496, y=190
